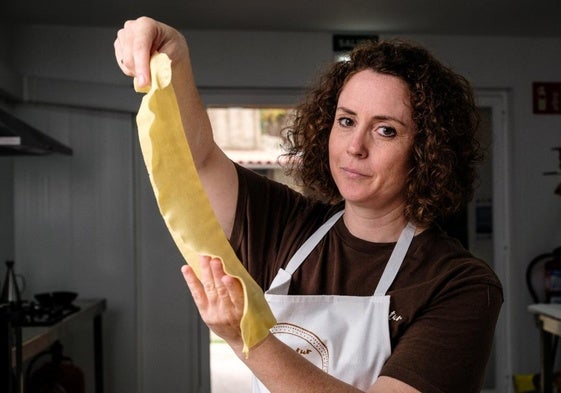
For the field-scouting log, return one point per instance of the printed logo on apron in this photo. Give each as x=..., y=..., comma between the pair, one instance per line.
x=303, y=342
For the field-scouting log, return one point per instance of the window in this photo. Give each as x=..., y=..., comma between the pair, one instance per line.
x=252, y=137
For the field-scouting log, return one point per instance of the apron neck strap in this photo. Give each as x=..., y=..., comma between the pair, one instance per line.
x=310, y=243
x=396, y=259
x=282, y=280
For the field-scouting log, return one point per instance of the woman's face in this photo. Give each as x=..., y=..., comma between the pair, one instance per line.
x=371, y=140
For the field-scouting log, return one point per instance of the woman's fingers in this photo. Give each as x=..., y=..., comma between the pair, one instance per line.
x=235, y=292
x=214, y=286
x=137, y=41
x=218, y=296
x=195, y=287
x=229, y=294
x=207, y=279
x=218, y=276
x=134, y=45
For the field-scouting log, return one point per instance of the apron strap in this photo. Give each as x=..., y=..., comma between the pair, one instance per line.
x=281, y=283
x=396, y=259
x=309, y=244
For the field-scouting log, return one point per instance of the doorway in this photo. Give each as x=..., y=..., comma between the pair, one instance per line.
x=250, y=136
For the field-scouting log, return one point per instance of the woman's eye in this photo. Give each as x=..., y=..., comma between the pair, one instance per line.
x=386, y=131
x=345, y=122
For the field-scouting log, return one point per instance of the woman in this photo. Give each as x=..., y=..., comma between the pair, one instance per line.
x=369, y=293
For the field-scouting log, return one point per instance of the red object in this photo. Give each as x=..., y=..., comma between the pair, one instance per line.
x=53, y=377
x=58, y=375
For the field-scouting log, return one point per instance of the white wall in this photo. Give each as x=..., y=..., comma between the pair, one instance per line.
x=73, y=66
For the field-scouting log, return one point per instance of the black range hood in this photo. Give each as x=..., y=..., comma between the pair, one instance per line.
x=19, y=138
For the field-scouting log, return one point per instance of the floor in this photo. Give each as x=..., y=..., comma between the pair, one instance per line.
x=228, y=374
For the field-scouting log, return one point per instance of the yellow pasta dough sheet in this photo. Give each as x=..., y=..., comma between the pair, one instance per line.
x=182, y=200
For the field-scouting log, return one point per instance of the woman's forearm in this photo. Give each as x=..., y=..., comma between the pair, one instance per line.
x=283, y=370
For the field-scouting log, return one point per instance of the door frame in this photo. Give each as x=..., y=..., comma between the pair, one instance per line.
x=497, y=101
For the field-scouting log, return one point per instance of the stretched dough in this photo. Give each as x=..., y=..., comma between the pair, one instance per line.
x=182, y=199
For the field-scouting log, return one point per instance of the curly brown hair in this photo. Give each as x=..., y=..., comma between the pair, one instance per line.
x=445, y=150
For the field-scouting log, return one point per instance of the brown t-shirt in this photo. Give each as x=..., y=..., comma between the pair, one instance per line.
x=444, y=302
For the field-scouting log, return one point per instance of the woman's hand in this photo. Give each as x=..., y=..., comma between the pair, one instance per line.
x=139, y=39
x=219, y=298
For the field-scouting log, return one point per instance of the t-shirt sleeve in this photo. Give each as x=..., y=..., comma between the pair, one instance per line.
x=446, y=348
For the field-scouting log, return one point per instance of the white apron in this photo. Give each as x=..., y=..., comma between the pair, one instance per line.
x=345, y=336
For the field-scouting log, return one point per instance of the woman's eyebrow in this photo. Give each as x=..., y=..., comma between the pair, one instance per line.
x=377, y=117
x=347, y=110
x=389, y=118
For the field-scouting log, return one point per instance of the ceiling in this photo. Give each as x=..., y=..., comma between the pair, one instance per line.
x=474, y=17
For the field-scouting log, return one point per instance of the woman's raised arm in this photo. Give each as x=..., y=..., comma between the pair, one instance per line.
x=136, y=42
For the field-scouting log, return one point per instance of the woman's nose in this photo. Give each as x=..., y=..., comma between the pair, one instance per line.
x=357, y=146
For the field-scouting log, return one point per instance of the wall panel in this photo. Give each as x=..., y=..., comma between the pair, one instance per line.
x=74, y=227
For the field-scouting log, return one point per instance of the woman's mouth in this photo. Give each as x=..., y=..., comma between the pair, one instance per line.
x=352, y=173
